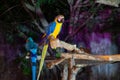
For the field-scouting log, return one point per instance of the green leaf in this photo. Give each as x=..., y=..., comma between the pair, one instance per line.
x=58, y=55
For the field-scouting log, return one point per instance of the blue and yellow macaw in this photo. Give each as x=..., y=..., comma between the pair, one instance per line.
x=32, y=47
x=53, y=30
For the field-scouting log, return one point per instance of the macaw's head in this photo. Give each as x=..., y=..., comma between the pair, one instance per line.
x=29, y=39
x=59, y=19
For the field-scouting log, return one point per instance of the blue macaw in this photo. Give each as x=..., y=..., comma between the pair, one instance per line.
x=53, y=30
x=32, y=47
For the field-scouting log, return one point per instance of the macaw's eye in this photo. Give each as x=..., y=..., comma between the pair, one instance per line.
x=60, y=20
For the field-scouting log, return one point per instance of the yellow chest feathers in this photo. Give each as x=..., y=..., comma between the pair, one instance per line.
x=57, y=29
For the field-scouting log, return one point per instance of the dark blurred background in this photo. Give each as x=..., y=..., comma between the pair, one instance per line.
x=87, y=24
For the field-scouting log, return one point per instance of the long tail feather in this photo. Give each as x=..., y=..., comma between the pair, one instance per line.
x=33, y=59
x=33, y=72
x=44, y=51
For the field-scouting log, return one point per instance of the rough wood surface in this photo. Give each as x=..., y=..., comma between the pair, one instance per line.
x=61, y=44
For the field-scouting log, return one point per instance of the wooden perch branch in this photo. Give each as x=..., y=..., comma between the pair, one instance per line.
x=103, y=58
x=51, y=64
x=61, y=44
x=64, y=56
x=85, y=56
x=65, y=72
x=92, y=57
x=114, y=58
x=81, y=56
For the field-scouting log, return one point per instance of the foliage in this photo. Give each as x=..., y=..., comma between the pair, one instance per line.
x=25, y=65
x=40, y=2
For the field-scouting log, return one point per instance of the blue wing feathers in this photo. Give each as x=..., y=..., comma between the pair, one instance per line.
x=51, y=28
x=48, y=31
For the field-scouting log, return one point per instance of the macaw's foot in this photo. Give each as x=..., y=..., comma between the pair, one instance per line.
x=54, y=43
x=51, y=37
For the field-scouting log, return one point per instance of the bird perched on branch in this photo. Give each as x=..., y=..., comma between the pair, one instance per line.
x=32, y=47
x=53, y=30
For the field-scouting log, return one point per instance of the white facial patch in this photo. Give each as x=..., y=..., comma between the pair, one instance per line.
x=59, y=19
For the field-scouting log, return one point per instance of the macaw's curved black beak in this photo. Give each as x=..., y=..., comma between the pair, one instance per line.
x=62, y=20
